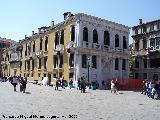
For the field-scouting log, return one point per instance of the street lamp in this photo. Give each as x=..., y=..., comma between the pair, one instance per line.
x=88, y=68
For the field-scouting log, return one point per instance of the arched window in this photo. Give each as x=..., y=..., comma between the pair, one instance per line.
x=85, y=34
x=106, y=38
x=116, y=64
x=46, y=43
x=34, y=46
x=73, y=33
x=95, y=36
x=124, y=42
x=41, y=39
x=62, y=37
x=26, y=50
x=56, y=40
x=116, y=40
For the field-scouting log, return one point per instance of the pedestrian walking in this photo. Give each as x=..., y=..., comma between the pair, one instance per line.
x=79, y=84
x=112, y=86
x=71, y=83
x=20, y=84
x=116, y=86
x=63, y=83
x=24, y=83
x=103, y=85
x=57, y=85
x=83, y=85
x=10, y=79
x=143, y=87
x=14, y=82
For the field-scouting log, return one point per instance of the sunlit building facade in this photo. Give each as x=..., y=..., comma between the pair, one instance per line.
x=4, y=44
x=146, y=38
x=80, y=46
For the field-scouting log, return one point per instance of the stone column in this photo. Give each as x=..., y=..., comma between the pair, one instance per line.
x=121, y=40
x=100, y=37
x=112, y=39
x=90, y=37
x=120, y=67
x=99, y=69
x=78, y=65
x=75, y=66
x=80, y=34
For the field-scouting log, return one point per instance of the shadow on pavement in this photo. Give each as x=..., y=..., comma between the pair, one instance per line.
x=58, y=90
x=28, y=92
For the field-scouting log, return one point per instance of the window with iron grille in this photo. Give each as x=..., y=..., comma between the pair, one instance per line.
x=56, y=40
x=84, y=61
x=136, y=75
x=61, y=61
x=116, y=64
x=39, y=67
x=145, y=63
x=55, y=61
x=144, y=75
x=73, y=33
x=71, y=60
x=94, y=61
x=46, y=44
x=123, y=64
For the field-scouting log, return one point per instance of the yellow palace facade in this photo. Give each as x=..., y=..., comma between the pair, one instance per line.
x=81, y=45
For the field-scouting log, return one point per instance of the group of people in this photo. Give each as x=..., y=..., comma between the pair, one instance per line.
x=60, y=83
x=3, y=79
x=80, y=84
x=15, y=80
x=151, y=89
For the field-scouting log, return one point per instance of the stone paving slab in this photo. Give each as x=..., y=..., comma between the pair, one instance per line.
x=74, y=105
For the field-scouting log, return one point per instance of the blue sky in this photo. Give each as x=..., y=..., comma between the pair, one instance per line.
x=19, y=17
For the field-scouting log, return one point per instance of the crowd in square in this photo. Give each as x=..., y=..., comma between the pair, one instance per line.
x=151, y=89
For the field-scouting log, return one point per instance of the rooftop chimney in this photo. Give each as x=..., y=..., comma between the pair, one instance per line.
x=25, y=36
x=52, y=23
x=66, y=15
x=32, y=32
x=140, y=21
x=39, y=30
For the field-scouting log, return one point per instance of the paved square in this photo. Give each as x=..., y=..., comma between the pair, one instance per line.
x=74, y=105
